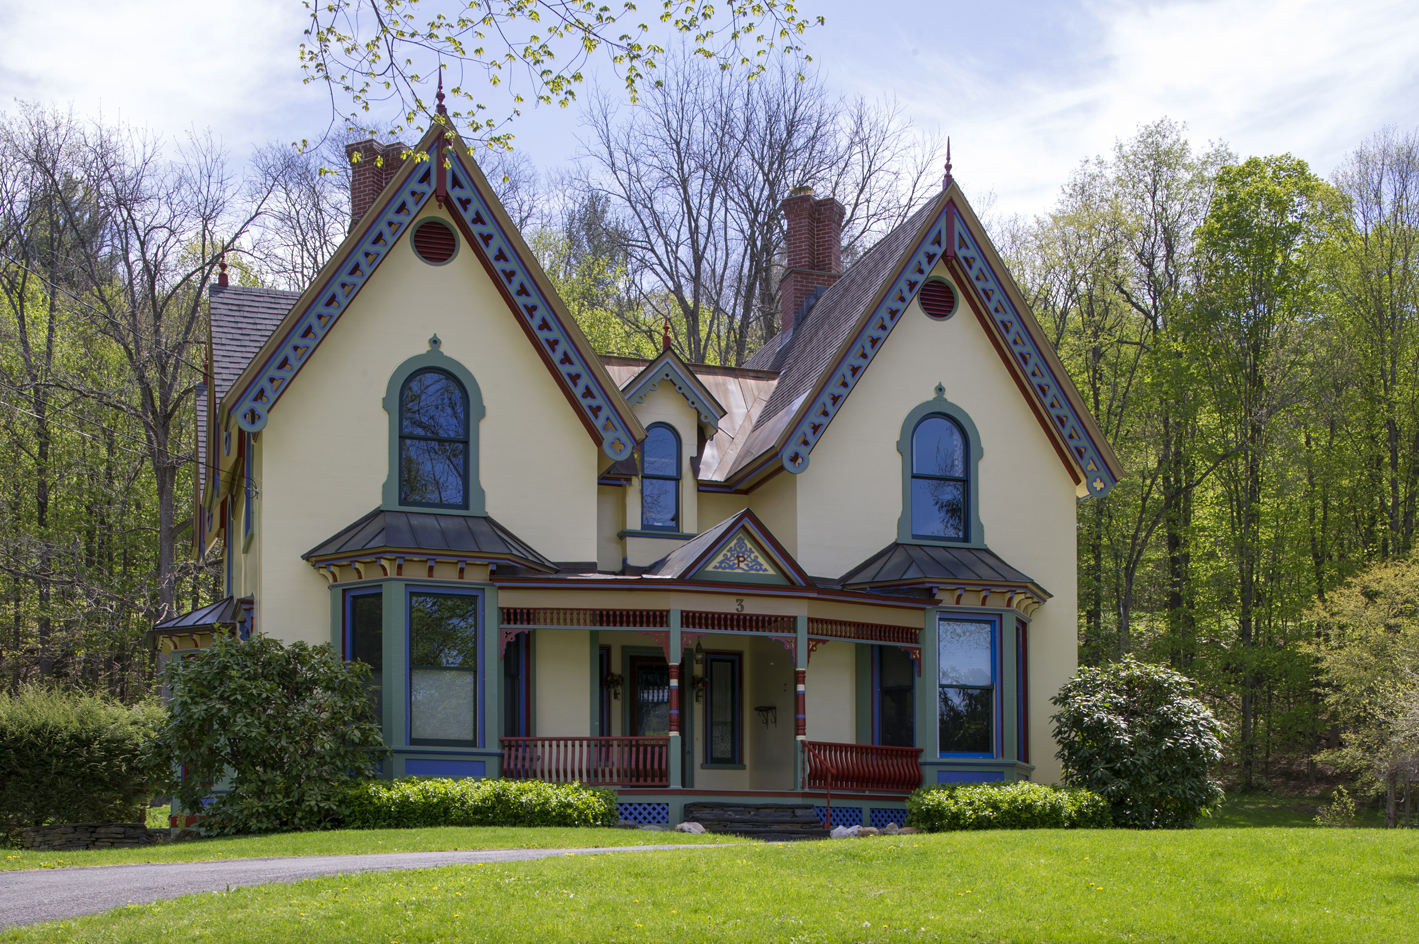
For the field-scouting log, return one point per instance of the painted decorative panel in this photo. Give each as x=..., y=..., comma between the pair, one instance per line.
x=742, y=556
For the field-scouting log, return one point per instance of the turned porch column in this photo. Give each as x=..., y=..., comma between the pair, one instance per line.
x=800, y=698
x=674, y=759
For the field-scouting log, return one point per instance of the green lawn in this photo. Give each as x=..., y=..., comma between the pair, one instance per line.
x=352, y=842
x=1259, y=809
x=1223, y=885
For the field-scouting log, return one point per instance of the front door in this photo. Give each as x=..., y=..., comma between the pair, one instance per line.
x=649, y=696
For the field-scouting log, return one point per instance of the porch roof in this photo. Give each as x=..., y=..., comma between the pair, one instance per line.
x=909, y=565
x=418, y=534
x=221, y=613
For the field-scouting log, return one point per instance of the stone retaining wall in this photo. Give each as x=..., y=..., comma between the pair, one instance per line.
x=73, y=836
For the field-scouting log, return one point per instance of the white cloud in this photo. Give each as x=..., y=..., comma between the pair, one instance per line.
x=1306, y=76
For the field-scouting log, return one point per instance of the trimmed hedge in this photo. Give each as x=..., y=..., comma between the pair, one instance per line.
x=415, y=802
x=1019, y=805
x=67, y=758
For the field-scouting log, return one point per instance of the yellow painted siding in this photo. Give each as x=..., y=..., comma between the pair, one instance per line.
x=326, y=451
x=850, y=497
x=563, y=667
x=831, y=687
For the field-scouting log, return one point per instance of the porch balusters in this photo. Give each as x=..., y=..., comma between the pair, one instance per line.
x=597, y=761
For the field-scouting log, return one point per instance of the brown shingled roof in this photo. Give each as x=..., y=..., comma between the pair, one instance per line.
x=242, y=319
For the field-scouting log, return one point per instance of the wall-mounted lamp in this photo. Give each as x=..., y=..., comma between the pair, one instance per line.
x=699, y=653
x=768, y=714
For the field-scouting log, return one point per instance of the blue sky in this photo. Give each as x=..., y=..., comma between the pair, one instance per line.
x=1025, y=89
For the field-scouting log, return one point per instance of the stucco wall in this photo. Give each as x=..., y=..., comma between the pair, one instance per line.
x=325, y=448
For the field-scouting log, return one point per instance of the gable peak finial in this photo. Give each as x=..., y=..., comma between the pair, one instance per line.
x=439, y=95
x=940, y=391
x=435, y=343
x=946, y=181
x=222, y=279
x=665, y=336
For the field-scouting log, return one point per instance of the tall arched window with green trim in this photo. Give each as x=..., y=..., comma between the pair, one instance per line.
x=660, y=479
x=433, y=441
x=940, y=488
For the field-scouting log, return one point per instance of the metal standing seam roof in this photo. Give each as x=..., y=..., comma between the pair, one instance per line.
x=429, y=532
x=221, y=613
x=899, y=563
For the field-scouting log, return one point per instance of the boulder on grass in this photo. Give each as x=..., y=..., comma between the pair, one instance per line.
x=695, y=828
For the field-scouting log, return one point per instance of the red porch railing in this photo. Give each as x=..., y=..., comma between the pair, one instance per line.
x=600, y=761
x=862, y=767
x=827, y=764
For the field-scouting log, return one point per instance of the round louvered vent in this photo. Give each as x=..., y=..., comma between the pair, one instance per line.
x=938, y=299
x=434, y=242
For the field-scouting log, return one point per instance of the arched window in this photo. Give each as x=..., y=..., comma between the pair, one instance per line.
x=433, y=441
x=660, y=479
x=940, y=484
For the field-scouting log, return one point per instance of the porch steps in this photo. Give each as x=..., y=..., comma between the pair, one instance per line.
x=771, y=822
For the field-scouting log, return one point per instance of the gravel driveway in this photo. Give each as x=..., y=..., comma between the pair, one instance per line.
x=34, y=895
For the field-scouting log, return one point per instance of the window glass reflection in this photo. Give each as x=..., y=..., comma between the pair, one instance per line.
x=433, y=441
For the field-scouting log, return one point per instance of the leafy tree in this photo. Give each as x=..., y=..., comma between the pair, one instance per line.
x=378, y=52
x=1367, y=646
x=287, y=729
x=1137, y=735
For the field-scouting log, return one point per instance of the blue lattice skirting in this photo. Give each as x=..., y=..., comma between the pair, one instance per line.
x=645, y=814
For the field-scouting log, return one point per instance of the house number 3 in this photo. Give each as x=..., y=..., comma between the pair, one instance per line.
x=738, y=605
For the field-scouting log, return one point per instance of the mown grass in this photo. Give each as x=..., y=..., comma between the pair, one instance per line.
x=1195, y=886
x=353, y=842
x=1240, y=810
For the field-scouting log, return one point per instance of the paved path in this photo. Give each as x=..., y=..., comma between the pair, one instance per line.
x=34, y=895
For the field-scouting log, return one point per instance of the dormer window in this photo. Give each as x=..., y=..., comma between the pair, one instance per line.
x=940, y=486
x=660, y=479
x=433, y=441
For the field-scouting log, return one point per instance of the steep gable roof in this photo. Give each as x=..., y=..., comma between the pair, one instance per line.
x=668, y=367
x=822, y=360
x=739, y=548
x=452, y=177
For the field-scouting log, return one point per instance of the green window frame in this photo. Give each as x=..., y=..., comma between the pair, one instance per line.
x=974, y=532
x=474, y=503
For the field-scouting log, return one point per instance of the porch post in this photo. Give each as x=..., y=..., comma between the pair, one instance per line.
x=800, y=697
x=674, y=750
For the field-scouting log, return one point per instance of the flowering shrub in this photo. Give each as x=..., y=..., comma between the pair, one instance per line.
x=430, y=801
x=1020, y=805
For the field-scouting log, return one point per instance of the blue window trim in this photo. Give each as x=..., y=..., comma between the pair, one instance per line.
x=347, y=632
x=481, y=725
x=1022, y=691
x=997, y=688
x=434, y=358
x=737, y=658
x=940, y=406
x=877, y=694
x=673, y=527
x=249, y=492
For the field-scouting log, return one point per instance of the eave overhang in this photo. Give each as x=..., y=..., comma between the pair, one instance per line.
x=451, y=177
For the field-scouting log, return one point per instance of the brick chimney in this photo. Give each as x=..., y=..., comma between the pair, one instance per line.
x=370, y=175
x=813, y=251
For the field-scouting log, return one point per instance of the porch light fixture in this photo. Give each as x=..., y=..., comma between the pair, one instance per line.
x=699, y=653
x=768, y=714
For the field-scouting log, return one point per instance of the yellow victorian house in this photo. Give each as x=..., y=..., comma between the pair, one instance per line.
x=835, y=574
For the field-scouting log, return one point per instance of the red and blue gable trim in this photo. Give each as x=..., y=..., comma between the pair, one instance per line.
x=254, y=405
x=946, y=228
x=537, y=316
x=865, y=346
x=1026, y=351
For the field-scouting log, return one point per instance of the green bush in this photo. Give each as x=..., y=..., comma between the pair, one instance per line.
x=415, y=802
x=1135, y=734
x=1019, y=805
x=284, y=728
x=68, y=758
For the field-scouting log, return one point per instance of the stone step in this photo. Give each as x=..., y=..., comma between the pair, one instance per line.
x=771, y=822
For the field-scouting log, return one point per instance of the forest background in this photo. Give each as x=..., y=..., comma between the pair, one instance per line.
x=1246, y=333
